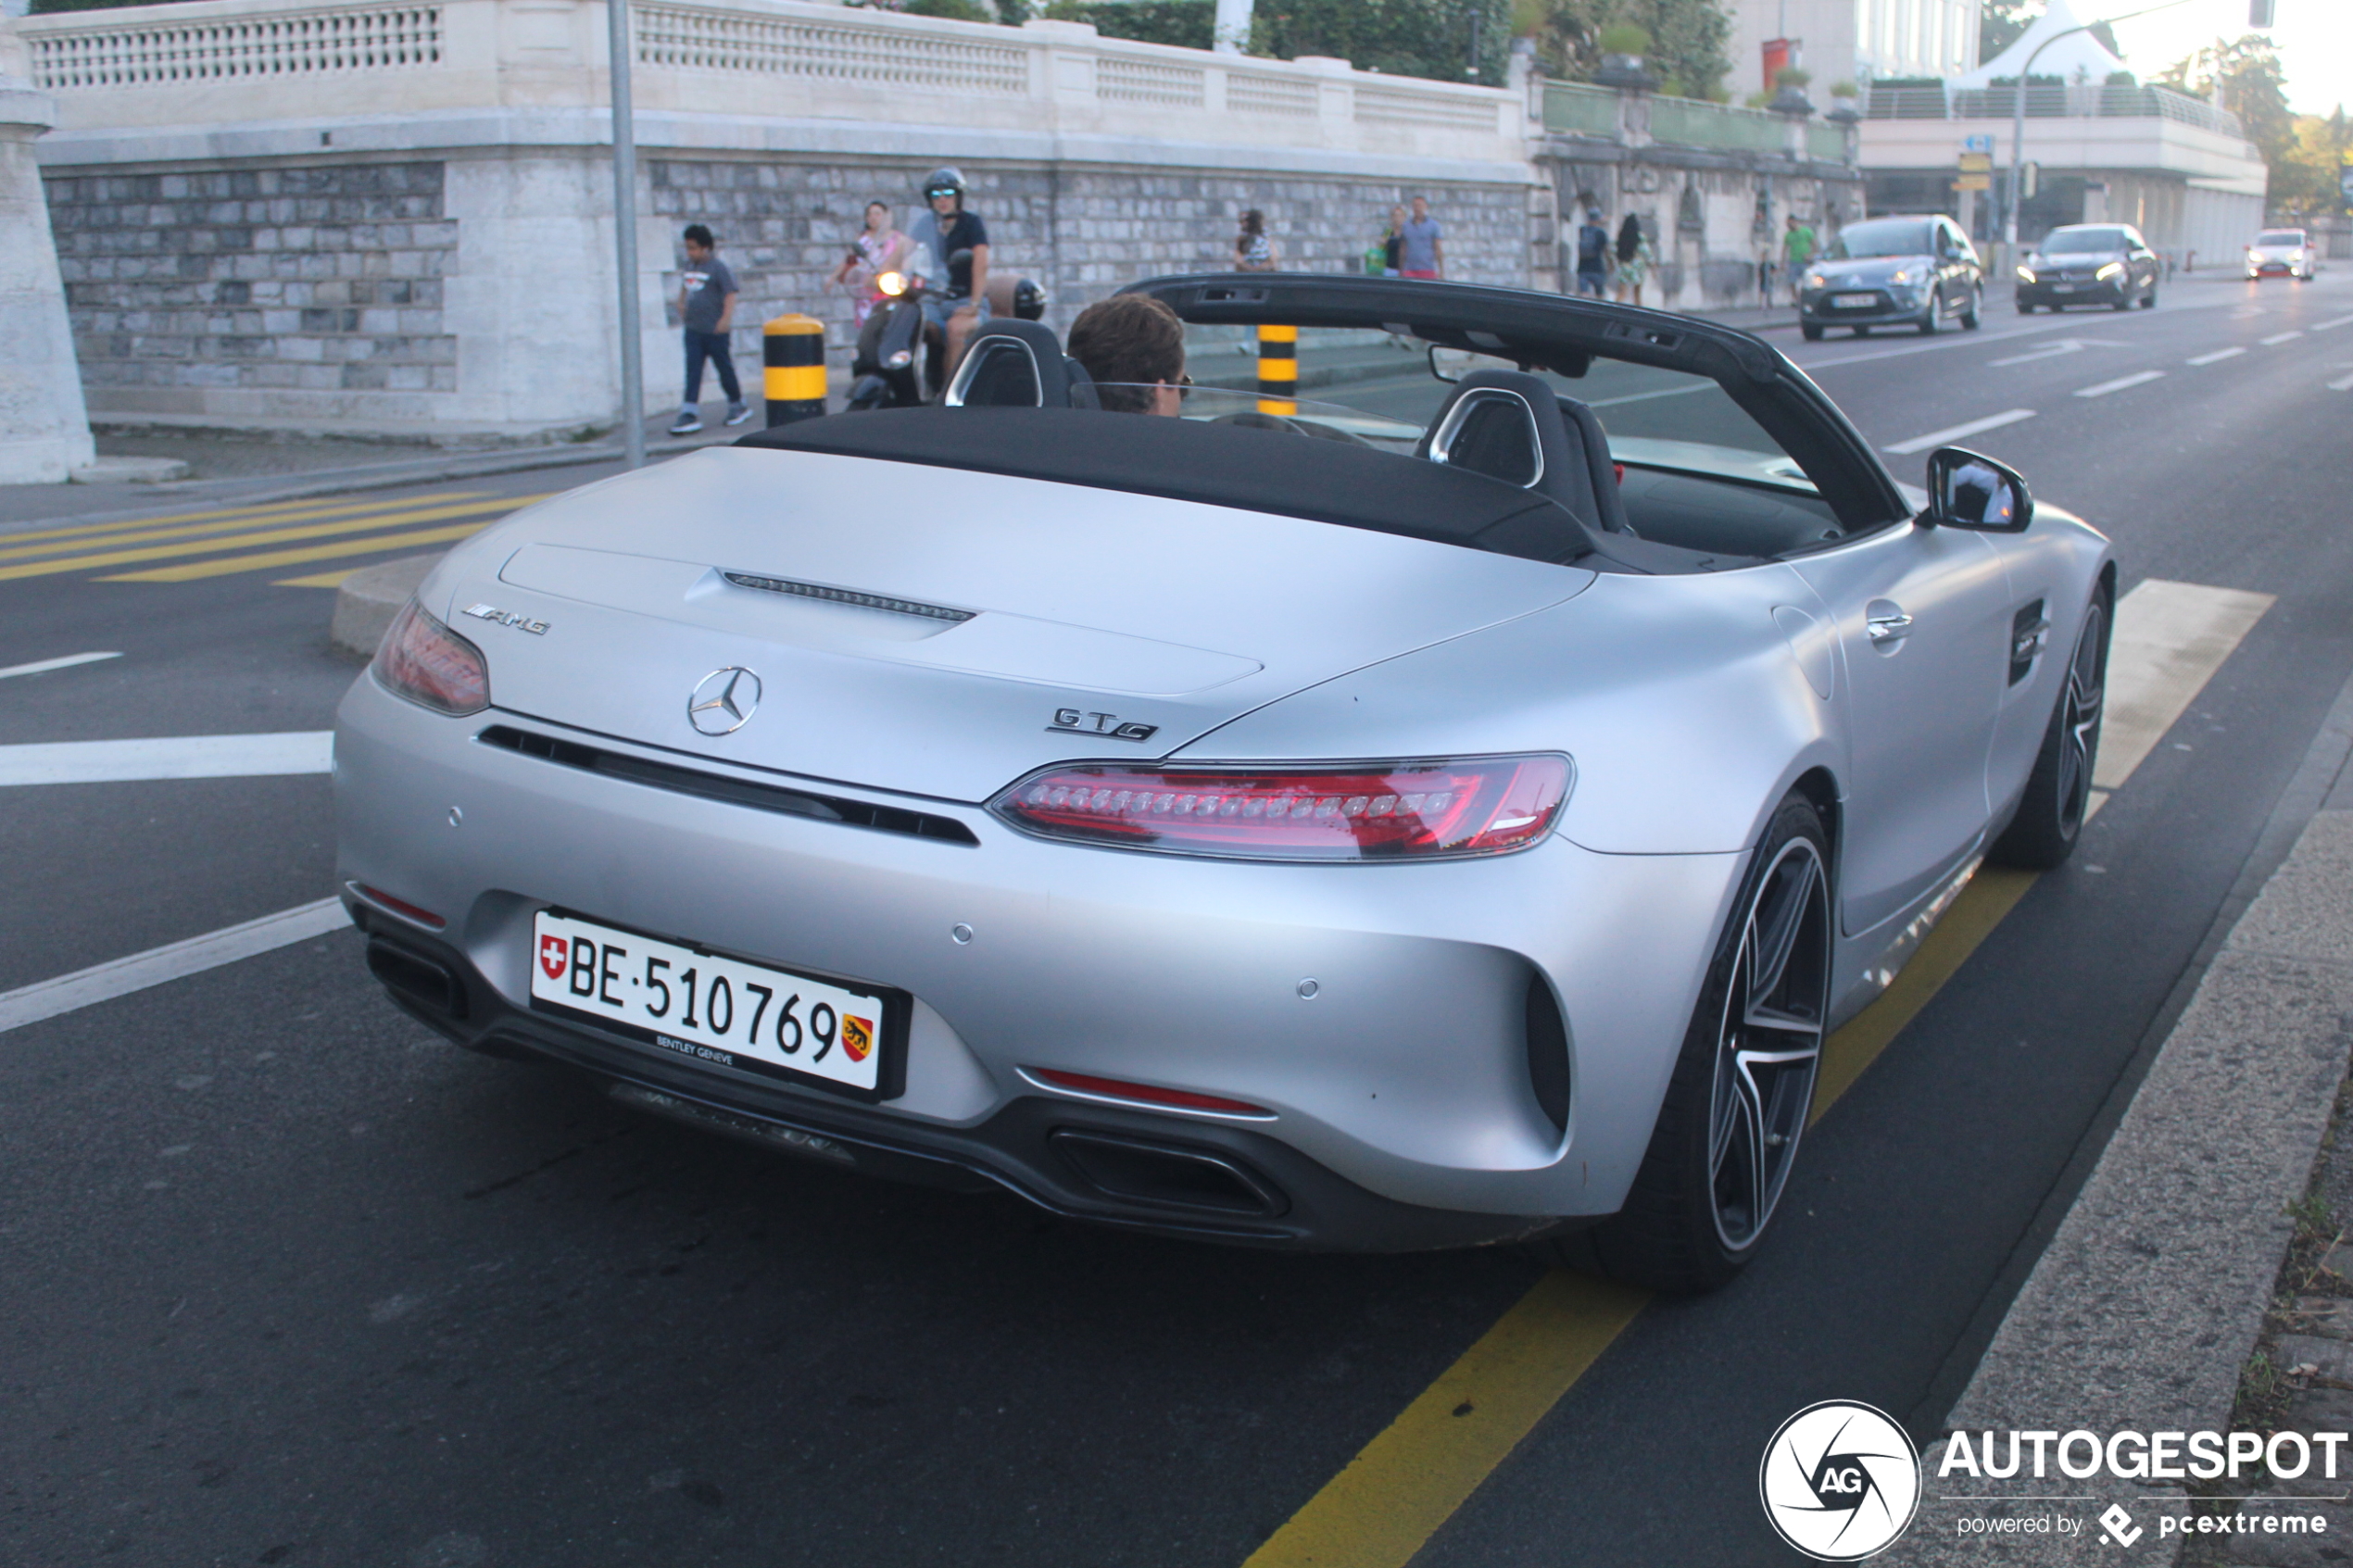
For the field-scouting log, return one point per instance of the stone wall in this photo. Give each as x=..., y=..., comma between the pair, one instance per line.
x=318, y=279
x=1084, y=232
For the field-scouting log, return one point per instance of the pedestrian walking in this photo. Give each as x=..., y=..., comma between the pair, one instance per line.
x=1634, y=257
x=1798, y=254
x=1392, y=242
x=706, y=294
x=1421, y=243
x=1592, y=255
x=880, y=248
x=1253, y=252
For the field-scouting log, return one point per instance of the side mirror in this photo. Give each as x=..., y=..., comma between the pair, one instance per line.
x=1966, y=490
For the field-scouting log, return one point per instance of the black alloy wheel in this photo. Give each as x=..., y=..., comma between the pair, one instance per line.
x=1743, y=1090
x=2050, y=814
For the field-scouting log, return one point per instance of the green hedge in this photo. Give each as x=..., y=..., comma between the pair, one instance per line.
x=1425, y=38
x=1185, y=23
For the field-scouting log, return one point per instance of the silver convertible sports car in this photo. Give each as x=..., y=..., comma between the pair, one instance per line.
x=1451, y=814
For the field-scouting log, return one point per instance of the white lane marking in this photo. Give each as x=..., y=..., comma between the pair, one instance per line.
x=48, y=999
x=2118, y=384
x=2218, y=354
x=168, y=756
x=2342, y=383
x=1939, y=437
x=2244, y=311
x=1982, y=339
x=2063, y=346
x=40, y=666
x=2278, y=338
x=2324, y=326
x=2169, y=638
x=1645, y=396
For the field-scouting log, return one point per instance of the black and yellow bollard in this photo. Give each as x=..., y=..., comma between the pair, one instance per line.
x=1278, y=370
x=793, y=369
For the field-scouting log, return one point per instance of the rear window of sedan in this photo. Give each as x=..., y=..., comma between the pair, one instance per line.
x=2078, y=242
x=1890, y=236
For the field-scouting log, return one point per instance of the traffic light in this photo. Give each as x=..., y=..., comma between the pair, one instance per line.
x=2259, y=13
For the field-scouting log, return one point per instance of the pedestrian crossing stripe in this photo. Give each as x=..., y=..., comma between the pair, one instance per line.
x=387, y=515
x=147, y=530
x=258, y=512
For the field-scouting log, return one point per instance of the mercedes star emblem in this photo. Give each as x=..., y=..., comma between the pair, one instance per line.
x=723, y=700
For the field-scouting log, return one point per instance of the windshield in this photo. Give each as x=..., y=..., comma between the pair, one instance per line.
x=1887, y=236
x=2082, y=242
x=1368, y=387
x=2280, y=237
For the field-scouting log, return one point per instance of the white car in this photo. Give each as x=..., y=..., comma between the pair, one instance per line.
x=2285, y=251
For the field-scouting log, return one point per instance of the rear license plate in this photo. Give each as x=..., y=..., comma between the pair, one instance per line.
x=722, y=1010
x=1853, y=301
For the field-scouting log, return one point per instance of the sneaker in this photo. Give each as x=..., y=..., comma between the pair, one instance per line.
x=738, y=413
x=687, y=423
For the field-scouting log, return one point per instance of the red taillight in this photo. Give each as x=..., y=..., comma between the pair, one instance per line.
x=400, y=907
x=429, y=664
x=1365, y=811
x=1146, y=1094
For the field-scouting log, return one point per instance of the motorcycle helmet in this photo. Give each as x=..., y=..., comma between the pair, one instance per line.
x=944, y=180
x=1029, y=299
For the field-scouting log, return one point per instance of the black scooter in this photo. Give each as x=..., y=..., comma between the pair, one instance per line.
x=899, y=358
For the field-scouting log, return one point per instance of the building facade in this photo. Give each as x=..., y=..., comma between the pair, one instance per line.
x=1857, y=41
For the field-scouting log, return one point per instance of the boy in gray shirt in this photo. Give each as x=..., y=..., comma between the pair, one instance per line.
x=706, y=307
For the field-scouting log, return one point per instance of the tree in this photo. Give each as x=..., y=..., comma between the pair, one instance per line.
x=2003, y=22
x=1686, y=53
x=2254, y=87
x=1428, y=38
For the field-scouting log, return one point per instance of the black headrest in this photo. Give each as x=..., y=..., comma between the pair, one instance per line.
x=1017, y=364
x=1510, y=426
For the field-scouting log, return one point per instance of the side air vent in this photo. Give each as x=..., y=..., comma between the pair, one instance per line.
x=735, y=792
x=848, y=597
x=1547, y=1053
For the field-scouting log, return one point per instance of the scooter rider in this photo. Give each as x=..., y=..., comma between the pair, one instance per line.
x=948, y=230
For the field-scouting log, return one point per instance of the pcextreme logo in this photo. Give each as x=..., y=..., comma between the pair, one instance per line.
x=1839, y=1481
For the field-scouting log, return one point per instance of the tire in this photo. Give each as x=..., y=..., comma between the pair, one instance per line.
x=2050, y=815
x=1971, y=318
x=1735, y=1112
x=1932, y=320
x=2123, y=301
x=2149, y=300
x=2024, y=309
x=1862, y=331
x=1812, y=330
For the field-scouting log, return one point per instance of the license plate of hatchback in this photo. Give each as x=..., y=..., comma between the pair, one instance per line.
x=706, y=1007
x=1854, y=301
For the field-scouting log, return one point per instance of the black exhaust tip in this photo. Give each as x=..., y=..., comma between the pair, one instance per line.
x=426, y=982
x=1170, y=1177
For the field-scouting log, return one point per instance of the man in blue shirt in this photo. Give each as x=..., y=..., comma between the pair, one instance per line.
x=1421, y=249
x=1592, y=255
x=946, y=231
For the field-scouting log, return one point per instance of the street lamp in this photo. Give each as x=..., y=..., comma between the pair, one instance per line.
x=624, y=236
x=2018, y=115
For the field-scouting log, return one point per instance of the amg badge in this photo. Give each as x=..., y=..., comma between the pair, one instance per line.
x=1070, y=721
x=507, y=618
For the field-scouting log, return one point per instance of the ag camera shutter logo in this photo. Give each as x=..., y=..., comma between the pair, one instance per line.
x=1839, y=1481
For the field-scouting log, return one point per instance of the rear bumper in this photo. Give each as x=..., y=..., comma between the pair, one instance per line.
x=1106, y=1164
x=1401, y=1082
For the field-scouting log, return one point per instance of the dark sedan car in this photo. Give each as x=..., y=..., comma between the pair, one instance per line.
x=2089, y=264
x=1917, y=272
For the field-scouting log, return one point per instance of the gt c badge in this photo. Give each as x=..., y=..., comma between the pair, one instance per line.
x=1070, y=721
x=554, y=953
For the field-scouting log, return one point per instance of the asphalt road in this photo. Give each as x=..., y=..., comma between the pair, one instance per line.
x=287, y=1280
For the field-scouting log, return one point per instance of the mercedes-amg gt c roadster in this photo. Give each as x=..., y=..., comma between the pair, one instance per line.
x=1451, y=814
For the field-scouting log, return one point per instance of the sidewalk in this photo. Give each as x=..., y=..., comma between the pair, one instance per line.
x=2197, y=1280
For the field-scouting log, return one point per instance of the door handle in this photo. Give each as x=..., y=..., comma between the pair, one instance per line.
x=1888, y=626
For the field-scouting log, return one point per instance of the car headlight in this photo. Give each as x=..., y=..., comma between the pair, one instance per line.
x=432, y=666
x=2026, y=274
x=1297, y=811
x=2110, y=271
x=1901, y=276
x=1815, y=280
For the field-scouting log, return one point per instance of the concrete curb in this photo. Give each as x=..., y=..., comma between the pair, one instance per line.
x=2148, y=1301
x=369, y=597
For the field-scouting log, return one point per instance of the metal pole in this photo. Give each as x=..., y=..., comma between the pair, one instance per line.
x=624, y=238
x=2017, y=117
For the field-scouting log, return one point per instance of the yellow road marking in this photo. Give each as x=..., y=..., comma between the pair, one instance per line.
x=317, y=580
x=265, y=536
x=1410, y=1479
x=1405, y=1482
x=142, y=532
x=274, y=511
x=195, y=570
